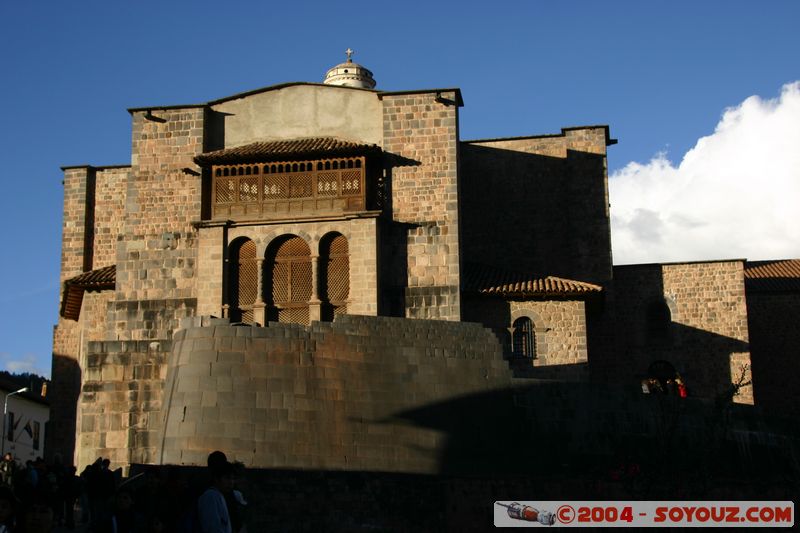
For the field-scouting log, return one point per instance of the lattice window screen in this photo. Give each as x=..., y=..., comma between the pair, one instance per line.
x=300, y=186
x=276, y=186
x=328, y=184
x=248, y=189
x=335, y=262
x=280, y=282
x=351, y=182
x=291, y=281
x=338, y=270
x=248, y=273
x=244, y=281
x=226, y=191
x=300, y=279
x=294, y=315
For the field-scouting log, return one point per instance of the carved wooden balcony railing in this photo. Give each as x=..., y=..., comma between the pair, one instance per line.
x=289, y=189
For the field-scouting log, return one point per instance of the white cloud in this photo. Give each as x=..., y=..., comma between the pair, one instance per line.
x=24, y=363
x=736, y=194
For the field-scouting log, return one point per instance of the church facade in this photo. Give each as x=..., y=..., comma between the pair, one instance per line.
x=356, y=238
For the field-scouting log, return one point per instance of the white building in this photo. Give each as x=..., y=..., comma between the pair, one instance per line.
x=26, y=415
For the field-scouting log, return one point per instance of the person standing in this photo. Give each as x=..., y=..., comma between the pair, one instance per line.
x=212, y=509
x=8, y=468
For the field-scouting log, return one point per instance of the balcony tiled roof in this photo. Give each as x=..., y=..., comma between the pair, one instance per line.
x=95, y=280
x=275, y=150
x=490, y=280
x=781, y=275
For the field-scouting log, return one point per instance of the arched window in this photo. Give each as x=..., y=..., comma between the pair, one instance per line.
x=334, y=275
x=288, y=287
x=243, y=275
x=524, y=339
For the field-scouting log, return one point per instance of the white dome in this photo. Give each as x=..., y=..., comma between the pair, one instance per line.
x=350, y=74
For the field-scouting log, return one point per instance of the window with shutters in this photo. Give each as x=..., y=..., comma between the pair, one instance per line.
x=288, y=276
x=243, y=280
x=334, y=275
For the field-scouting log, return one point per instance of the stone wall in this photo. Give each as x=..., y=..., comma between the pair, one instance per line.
x=537, y=441
x=64, y=390
x=76, y=226
x=70, y=343
x=560, y=326
x=211, y=245
x=157, y=253
x=774, y=340
x=338, y=395
x=692, y=315
x=538, y=204
x=109, y=213
x=420, y=137
x=121, y=401
x=93, y=215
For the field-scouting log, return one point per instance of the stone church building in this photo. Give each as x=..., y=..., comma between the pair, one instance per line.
x=290, y=273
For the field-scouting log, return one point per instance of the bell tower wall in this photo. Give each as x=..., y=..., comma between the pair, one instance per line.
x=420, y=132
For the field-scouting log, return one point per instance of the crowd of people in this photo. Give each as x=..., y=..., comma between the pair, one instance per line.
x=38, y=497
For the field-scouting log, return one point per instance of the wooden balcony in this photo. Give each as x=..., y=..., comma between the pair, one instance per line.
x=288, y=189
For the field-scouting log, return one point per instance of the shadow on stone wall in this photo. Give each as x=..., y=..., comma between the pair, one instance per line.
x=542, y=441
x=774, y=339
x=634, y=327
x=63, y=394
x=679, y=446
x=534, y=213
x=383, y=424
x=393, y=267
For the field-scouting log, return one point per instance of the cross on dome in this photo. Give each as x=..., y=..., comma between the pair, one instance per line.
x=349, y=53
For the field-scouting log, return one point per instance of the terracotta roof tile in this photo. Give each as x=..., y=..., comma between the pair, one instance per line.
x=782, y=275
x=100, y=277
x=272, y=150
x=94, y=280
x=491, y=280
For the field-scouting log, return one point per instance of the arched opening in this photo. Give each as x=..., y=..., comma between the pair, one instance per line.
x=243, y=282
x=662, y=378
x=524, y=338
x=288, y=276
x=334, y=274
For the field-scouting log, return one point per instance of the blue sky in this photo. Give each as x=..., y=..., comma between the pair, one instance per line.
x=661, y=74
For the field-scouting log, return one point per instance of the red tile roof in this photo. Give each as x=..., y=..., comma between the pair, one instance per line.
x=94, y=280
x=782, y=275
x=490, y=280
x=272, y=150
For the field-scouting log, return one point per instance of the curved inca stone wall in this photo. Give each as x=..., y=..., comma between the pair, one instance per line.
x=334, y=396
